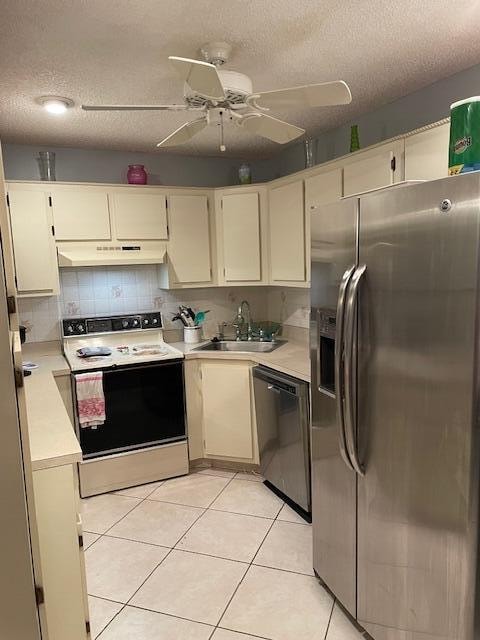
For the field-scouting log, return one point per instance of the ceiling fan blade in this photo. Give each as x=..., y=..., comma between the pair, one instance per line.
x=325, y=94
x=184, y=133
x=271, y=128
x=134, y=107
x=200, y=76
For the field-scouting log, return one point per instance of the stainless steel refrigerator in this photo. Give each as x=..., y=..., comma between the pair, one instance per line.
x=395, y=415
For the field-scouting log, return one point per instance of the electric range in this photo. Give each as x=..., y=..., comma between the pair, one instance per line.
x=143, y=437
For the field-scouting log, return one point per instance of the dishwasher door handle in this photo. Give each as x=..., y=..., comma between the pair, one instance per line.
x=271, y=387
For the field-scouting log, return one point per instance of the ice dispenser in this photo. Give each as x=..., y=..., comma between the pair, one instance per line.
x=326, y=334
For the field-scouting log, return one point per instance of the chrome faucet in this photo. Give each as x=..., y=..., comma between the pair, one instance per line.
x=244, y=317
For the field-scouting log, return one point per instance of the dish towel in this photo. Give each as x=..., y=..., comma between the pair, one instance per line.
x=90, y=399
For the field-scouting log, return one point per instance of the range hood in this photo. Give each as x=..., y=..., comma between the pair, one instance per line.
x=96, y=255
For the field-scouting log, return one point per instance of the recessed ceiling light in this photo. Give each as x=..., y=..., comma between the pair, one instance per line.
x=55, y=104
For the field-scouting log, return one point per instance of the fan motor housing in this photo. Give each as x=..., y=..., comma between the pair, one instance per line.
x=237, y=87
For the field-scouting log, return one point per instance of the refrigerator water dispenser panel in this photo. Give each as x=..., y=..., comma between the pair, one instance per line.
x=327, y=324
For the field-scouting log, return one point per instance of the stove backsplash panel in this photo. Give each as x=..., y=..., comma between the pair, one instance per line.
x=97, y=291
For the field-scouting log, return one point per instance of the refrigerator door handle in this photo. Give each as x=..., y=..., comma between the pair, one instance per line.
x=339, y=365
x=351, y=370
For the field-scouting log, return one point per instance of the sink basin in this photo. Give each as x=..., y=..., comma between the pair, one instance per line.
x=241, y=346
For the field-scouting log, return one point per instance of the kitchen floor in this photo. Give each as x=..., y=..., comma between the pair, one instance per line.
x=213, y=555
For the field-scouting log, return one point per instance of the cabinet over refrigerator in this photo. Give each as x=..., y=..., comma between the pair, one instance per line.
x=395, y=389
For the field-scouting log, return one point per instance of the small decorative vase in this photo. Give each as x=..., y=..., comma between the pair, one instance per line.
x=46, y=165
x=309, y=153
x=244, y=174
x=354, y=139
x=136, y=174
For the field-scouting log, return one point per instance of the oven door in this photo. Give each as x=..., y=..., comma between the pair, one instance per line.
x=144, y=407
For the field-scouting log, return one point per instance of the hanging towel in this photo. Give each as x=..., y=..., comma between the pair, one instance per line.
x=90, y=399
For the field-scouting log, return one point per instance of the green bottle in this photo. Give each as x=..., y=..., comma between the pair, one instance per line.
x=354, y=139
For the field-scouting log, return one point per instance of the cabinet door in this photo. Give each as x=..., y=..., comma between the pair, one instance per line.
x=140, y=216
x=241, y=237
x=426, y=154
x=227, y=414
x=81, y=215
x=370, y=171
x=189, y=241
x=60, y=557
x=323, y=188
x=287, y=233
x=33, y=243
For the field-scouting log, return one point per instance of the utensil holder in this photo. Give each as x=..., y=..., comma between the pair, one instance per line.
x=192, y=335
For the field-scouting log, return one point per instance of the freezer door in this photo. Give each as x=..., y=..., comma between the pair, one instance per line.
x=417, y=431
x=334, y=232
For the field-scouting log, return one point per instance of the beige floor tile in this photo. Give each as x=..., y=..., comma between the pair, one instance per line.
x=137, y=624
x=101, y=612
x=249, y=475
x=279, y=605
x=226, y=535
x=116, y=568
x=157, y=523
x=287, y=514
x=287, y=546
x=141, y=491
x=224, y=634
x=191, y=586
x=250, y=498
x=101, y=512
x=341, y=628
x=221, y=473
x=89, y=539
x=195, y=490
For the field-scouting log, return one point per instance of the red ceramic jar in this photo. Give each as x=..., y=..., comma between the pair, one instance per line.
x=136, y=174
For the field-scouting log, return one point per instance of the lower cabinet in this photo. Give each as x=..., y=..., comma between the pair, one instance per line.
x=61, y=553
x=220, y=410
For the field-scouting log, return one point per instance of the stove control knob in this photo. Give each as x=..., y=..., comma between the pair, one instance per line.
x=135, y=322
x=70, y=329
x=155, y=321
x=145, y=322
x=125, y=324
x=80, y=328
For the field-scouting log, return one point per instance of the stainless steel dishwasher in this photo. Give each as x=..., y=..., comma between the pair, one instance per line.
x=281, y=404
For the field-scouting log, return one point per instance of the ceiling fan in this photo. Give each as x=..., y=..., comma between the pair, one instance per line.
x=211, y=90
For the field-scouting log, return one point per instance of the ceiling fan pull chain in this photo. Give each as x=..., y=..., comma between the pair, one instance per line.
x=222, y=145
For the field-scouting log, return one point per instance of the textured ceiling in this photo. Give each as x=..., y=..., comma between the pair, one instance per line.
x=115, y=51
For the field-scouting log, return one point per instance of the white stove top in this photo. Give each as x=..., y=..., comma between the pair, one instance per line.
x=127, y=347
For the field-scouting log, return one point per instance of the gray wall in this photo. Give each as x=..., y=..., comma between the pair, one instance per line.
x=415, y=110
x=89, y=165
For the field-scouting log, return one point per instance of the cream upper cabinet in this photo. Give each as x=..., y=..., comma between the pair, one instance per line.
x=33, y=242
x=323, y=188
x=241, y=237
x=426, y=153
x=372, y=169
x=140, y=216
x=287, y=233
x=189, y=252
x=227, y=410
x=81, y=214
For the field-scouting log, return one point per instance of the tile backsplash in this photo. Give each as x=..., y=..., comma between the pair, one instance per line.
x=107, y=291
x=97, y=291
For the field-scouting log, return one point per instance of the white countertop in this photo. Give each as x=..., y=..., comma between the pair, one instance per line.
x=292, y=358
x=52, y=439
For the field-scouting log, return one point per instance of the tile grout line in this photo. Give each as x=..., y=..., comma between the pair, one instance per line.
x=329, y=619
x=250, y=564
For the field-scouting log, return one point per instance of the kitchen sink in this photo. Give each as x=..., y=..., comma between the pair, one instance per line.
x=241, y=346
